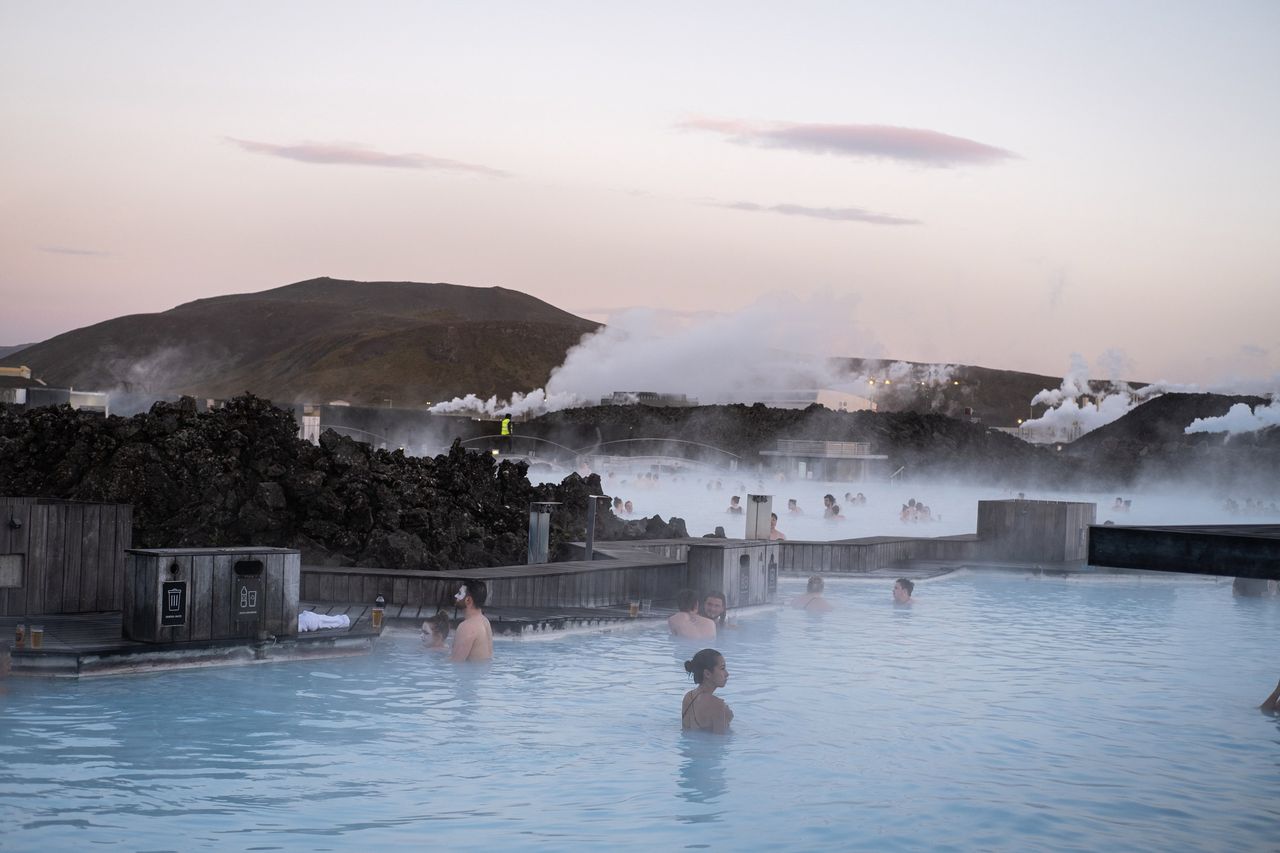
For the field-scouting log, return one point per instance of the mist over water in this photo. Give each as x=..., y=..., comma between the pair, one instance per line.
x=953, y=505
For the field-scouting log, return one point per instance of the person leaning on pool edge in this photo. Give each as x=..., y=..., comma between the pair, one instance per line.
x=701, y=710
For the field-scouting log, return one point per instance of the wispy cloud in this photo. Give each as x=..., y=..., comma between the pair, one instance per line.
x=909, y=144
x=1253, y=351
x=351, y=154
x=67, y=250
x=834, y=214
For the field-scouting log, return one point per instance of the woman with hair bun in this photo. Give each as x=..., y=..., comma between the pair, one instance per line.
x=702, y=710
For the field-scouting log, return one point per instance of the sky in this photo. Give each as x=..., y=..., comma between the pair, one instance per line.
x=1008, y=184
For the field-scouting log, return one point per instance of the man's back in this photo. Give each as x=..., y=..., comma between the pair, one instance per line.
x=692, y=626
x=473, y=640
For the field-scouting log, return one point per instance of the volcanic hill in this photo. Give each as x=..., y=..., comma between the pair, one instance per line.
x=323, y=339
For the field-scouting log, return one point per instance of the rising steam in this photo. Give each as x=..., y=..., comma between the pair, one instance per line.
x=766, y=352
x=1239, y=419
x=1080, y=405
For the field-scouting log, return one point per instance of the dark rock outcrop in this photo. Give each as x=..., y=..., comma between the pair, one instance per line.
x=239, y=475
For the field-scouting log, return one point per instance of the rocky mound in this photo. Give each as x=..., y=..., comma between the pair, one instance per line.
x=239, y=475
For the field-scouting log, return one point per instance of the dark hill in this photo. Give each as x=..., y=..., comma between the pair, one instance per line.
x=1161, y=420
x=364, y=342
x=1150, y=443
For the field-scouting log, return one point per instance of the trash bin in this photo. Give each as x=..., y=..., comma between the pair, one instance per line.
x=175, y=595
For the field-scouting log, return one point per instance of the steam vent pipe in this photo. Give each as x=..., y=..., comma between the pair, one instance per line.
x=539, y=531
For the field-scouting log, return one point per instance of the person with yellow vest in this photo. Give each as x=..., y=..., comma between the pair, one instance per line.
x=506, y=432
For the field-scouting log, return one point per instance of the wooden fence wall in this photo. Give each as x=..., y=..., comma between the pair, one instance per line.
x=64, y=557
x=600, y=583
x=1035, y=531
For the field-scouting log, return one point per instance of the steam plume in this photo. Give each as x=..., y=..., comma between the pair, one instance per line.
x=767, y=352
x=1239, y=419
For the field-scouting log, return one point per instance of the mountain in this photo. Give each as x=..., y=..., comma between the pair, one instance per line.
x=319, y=340
x=4, y=351
x=405, y=344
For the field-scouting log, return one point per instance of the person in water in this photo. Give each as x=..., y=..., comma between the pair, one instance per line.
x=473, y=641
x=715, y=609
x=436, y=630
x=686, y=622
x=735, y=507
x=1269, y=705
x=702, y=710
x=812, y=600
x=775, y=535
x=902, y=589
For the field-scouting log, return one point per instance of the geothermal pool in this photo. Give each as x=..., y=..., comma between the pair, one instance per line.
x=954, y=506
x=1001, y=712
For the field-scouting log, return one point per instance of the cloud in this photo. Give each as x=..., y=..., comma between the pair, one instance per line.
x=350, y=154
x=80, y=253
x=834, y=214
x=1253, y=351
x=908, y=144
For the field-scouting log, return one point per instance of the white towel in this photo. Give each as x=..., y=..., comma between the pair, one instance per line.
x=309, y=620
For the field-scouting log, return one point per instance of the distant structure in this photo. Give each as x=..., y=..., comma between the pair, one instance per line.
x=849, y=461
x=803, y=398
x=18, y=388
x=798, y=398
x=647, y=398
x=1044, y=434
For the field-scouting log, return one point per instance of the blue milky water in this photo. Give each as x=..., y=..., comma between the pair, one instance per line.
x=1002, y=712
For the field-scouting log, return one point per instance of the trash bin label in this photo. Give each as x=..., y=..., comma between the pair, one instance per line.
x=246, y=591
x=173, y=604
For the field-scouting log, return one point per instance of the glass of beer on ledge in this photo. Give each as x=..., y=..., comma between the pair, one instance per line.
x=37, y=636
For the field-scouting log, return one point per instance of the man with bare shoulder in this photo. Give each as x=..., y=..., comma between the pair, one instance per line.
x=686, y=622
x=812, y=600
x=473, y=641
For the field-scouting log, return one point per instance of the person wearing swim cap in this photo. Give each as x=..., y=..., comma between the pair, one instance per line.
x=473, y=641
x=702, y=710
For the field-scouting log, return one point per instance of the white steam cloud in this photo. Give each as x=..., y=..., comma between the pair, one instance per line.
x=1239, y=419
x=774, y=351
x=1080, y=405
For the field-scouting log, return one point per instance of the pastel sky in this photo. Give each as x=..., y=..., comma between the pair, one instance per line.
x=994, y=183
